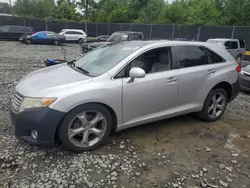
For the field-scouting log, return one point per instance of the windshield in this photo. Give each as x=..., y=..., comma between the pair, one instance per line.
x=104, y=58
x=118, y=37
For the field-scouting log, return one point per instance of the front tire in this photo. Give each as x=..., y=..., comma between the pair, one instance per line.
x=214, y=105
x=27, y=41
x=85, y=128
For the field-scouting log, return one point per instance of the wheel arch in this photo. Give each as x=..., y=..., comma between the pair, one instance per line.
x=227, y=87
x=112, y=112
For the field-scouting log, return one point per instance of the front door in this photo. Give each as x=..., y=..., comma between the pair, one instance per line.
x=154, y=96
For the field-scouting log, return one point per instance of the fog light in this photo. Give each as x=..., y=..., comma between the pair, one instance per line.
x=34, y=134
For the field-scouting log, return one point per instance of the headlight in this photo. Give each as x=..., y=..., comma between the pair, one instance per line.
x=35, y=103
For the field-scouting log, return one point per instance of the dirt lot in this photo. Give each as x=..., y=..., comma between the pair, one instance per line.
x=182, y=152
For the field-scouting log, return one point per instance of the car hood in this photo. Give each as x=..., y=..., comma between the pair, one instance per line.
x=44, y=81
x=246, y=68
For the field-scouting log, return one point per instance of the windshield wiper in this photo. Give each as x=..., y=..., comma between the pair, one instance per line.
x=82, y=70
x=72, y=63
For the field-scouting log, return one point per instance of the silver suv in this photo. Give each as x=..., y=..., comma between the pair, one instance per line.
x=122, y=85
x=235, y=47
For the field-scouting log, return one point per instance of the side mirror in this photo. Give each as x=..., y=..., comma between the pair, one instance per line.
x=136, y=72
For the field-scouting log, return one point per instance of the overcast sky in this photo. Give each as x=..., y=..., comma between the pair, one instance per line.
x=7, y=1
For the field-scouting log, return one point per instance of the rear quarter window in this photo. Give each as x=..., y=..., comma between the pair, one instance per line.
x=242, y=44
x=214, y=57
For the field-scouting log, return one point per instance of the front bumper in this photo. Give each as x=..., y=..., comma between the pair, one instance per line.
x=44, y=120
x=244, y=82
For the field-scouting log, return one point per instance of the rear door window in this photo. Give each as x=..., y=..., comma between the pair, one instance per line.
x=73, y=32
x=231, y=45
x=191, y=56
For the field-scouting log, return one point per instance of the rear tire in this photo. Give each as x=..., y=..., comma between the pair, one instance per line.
x=56, y=42
x=90, y=121
x=214, y=105
x=79, y=41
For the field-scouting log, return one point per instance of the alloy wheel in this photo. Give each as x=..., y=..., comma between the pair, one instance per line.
x=217, y=105
x=87, y=129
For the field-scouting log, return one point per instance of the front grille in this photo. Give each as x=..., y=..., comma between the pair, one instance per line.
x=16, y=101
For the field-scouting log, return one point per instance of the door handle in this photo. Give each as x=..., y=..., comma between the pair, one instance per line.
x=172, y=79
x=212, y=71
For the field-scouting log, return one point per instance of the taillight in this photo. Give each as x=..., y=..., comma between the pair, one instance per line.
x=33, y=33
x=238, y=68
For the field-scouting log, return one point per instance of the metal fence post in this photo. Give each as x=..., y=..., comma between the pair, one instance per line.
x=173, y=31
x=233, y=33
x=46, y=25
x=150, y=34
x=108, y=28
x=24, y=24
x=97, y=30
x=199, y=33
x=120, y=26
x=86, y=27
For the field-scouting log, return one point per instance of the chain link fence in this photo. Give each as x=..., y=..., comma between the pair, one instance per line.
x=151, y=31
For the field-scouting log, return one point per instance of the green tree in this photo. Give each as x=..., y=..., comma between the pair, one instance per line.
x=235, y=12
x=172, y=13
x=203, y=12
x=35, y=8
x=65, y=10
x=87, y=6
x=4, y=8
x=150, y=13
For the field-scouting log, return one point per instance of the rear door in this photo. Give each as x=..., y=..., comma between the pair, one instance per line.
x=16, y=32
x=199, y=70
x=71, y=35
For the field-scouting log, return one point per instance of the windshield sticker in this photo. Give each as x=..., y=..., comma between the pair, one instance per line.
x=130, y=48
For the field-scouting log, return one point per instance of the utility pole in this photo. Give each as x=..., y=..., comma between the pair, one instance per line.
x=10, y=6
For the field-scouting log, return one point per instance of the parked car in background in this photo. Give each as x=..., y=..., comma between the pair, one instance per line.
x=74, y=35
x=122, y=85
x=235, y=47
x=116, y=36
x=43, y=37
x=245, y=78
x=100, y=38
x=14, y=32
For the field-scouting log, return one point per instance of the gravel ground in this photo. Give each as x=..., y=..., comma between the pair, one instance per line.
x=181, y=152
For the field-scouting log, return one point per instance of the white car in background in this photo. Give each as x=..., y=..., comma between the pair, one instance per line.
x=74, y=35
